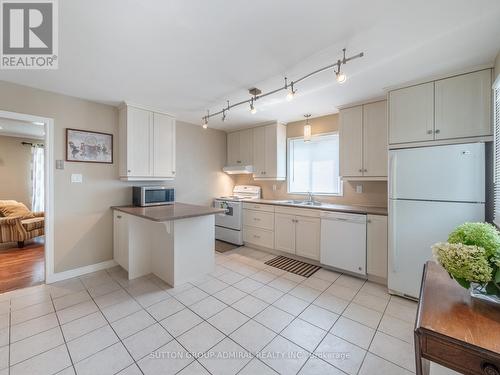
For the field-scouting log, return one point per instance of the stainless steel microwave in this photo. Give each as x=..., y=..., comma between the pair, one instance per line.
x=152, y=195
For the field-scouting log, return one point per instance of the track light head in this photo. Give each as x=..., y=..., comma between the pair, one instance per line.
x=253, y=110
x=224, y=115
x=340, y=77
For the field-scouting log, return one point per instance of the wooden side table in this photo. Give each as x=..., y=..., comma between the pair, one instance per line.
x=454, y=330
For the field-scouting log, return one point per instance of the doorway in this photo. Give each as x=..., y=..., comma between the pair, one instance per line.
x=25, y=200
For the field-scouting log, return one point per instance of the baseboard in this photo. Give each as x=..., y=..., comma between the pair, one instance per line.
x=59, y=276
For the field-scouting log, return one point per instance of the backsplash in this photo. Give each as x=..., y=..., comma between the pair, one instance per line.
x=374, y=192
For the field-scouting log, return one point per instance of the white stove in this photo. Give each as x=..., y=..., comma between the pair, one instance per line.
x=229, y=225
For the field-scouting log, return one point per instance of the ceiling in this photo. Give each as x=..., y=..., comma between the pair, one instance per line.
x=21, y=129
x=186, y=56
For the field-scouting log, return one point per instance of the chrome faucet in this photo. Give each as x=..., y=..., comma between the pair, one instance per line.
x=310, y=199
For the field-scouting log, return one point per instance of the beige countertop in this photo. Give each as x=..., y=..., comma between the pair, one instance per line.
x=168, y=212
x=326, y=207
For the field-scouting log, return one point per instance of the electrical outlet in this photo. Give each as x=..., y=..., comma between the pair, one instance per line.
x=76, y=178
x=359, y=189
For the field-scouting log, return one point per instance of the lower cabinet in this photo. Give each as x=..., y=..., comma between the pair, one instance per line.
x=120, y=239
x=298, y=235
x=258, y=236
x=376, y=246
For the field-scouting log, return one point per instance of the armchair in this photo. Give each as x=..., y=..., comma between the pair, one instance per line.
x=19, y=229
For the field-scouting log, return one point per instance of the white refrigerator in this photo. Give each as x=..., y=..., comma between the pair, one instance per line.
x=432, y=190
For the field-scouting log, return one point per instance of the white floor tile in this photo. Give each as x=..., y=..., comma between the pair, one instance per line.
x=146, y=341
x=167, y=360
x=398, y=328
x=326, y=275
x=274, y=318
x=304, y=292
x=253, y=336
x=208, y=307
x=263, y=277
x=250, y=306
x=82, y=326
x=64, y=287
x=231, y=277
x=283, y=284
x=121, y=310
x=91, y=343
x=193, y=369
x=374, y=365
x=316, y=366
x=284, y=356
x=112, y=298
x=268, y=294
x=164, y=309
x=76, y=311
x=33, y=326
x=217, y=363
x=319, y=317
x=350, y=281
x=331, y=303
x=31, y=312
x=256, y=366
x=316, y=283
x=342, y=291
x=373, y=302
x=303, y=334
x=130, y=370
x=291, y=304
x=180, y=322
x=402, y=309
x=191, y=296
x=33, y=345
x=248, y=285
x=133, y=323
x=230, y=295
x=364, y=315
x=394, y=350
x=71, y=299
x=228, y=320
x=341, y=354
x=354, y=332
x=213, y=286
x=108, y=361
x=49, y=362
x=200, y=338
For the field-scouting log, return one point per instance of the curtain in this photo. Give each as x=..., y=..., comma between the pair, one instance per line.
x=37, y=180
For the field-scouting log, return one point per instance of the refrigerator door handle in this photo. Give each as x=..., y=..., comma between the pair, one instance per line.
x=392, y=237
x=392, y=173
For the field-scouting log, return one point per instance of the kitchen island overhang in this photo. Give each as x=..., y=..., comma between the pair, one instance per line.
x=175, y=242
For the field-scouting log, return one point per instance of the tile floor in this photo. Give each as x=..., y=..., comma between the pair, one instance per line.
x=244, y=318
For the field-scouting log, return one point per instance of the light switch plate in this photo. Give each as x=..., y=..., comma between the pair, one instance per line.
x=76, y=178
x=359, y=189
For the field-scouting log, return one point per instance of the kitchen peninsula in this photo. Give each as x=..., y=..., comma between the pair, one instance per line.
x=175, y=242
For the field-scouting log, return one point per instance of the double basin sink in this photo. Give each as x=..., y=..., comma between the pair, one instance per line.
x=302, y=203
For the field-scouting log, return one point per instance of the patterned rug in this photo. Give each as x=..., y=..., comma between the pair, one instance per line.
x=294, y=266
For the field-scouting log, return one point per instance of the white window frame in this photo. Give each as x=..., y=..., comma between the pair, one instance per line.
x=289, y=174
x=496, y=152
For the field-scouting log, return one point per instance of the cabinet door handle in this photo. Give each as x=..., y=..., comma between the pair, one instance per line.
x=360, y=170
x=118, y=217
x=255, y=236
x=238, y=161
x=429, y=131
x=173, y=172
x=437, y=131
x=365, y=170
x=129, y=171
x=368, y=221
x=256, y=219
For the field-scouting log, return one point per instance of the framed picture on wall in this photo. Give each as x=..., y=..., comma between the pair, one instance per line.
x=89, y=146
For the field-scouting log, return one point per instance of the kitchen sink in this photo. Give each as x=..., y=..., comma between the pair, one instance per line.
x=303, y=203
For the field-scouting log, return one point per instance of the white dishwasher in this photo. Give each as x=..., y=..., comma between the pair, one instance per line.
x=343, y=241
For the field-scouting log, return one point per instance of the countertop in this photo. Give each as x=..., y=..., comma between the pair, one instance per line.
x=168, y=212
x=325, y=207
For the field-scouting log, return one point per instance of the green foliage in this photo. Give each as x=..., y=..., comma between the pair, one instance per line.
x=466, y=263
x=478, y=234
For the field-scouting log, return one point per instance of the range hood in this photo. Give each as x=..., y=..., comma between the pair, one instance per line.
x=238, y=169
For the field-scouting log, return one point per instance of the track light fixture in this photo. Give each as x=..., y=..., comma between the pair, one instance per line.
x=291, y=91
x=307, y=129
x=290, y=88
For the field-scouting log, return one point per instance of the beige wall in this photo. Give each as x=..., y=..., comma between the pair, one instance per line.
x=83, y=220
x=15, y=169
x=374, y=193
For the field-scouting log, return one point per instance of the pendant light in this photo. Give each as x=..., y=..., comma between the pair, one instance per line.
x=307, y=129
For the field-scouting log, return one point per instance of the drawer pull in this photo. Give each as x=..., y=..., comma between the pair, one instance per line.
x=489, y=369
x=119, y=217
x=255, y=236
x=256, y=219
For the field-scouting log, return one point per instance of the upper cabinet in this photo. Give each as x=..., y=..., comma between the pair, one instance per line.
x=363, y=141
x=240, y=147
x=146, y=144
x=269, y=152
x=451, y=108
x=411, y=114
x=463, y=106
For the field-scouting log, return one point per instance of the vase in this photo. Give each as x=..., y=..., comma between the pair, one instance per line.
x=479, y=291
